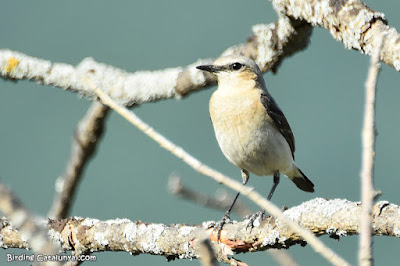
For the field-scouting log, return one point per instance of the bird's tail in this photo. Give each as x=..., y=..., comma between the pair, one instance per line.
x=301, y=180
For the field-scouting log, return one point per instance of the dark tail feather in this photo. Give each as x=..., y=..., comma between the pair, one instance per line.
x=303, y=182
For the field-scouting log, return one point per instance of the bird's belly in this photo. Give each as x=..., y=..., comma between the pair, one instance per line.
x=262, y=152
x=249, y=140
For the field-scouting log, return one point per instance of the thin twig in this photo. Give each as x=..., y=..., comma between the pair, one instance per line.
x=221, y=200
x=87, y=135
x=283, y=257
x=318, y=245
x=365, y=256
x=207, y=254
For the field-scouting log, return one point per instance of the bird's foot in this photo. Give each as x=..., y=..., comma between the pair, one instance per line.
x=254, y=220
x=219, y=225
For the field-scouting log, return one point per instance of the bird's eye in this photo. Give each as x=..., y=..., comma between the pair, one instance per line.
x=236, y=66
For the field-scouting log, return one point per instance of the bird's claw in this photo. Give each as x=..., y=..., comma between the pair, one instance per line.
x=219, y=225
x=255, y=219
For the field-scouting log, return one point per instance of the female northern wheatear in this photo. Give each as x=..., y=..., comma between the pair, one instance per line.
x=251, y=129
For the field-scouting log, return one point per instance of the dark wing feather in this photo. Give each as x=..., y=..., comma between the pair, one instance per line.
x=279, y=118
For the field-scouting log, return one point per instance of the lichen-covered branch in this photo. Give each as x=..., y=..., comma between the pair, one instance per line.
x=26, y=229
x=221, y=201
x=337, y=218
x=348, y=21
x=87, y=135
x=268, y=45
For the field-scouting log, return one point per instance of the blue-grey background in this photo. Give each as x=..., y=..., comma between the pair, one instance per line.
x=321, y=91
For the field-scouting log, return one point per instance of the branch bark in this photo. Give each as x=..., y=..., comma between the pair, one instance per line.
x=365, y=256
x=27, y=230
x=338, y=218
x=268, y=45
x=350, y=22
x=87, y=135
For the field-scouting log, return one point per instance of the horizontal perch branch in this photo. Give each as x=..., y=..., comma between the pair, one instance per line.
x=337, y=218
x=268, y=45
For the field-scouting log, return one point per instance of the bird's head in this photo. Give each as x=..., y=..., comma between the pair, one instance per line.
x=235, y=71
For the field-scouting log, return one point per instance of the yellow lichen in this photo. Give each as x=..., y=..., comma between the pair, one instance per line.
x=12, y=63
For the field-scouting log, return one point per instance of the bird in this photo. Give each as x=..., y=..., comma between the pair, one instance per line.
x=250, y=128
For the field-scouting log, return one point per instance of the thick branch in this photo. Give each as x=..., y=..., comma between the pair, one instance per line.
x=269, y=45
x=348, y=21
x=337, y=218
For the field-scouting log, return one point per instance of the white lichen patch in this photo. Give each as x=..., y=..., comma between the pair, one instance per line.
x=2, y=245
x=341, y=233
x=396, y=232
x=188, y=252
x=101, y=239
x=319, y=206
x=56, y=237
x=391, y=46
x=208, y=224
x=129, y=88
x=186, y=230
x=118, y=221
x=285, y=29
x=90, y=222
x=151, y=234
x=271, y=239
x=130, y=232
x=62, y=74
x=335, y=231
x=265, y=52
x=197, y=76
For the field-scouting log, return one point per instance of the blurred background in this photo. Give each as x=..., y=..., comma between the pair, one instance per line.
x=321, y=91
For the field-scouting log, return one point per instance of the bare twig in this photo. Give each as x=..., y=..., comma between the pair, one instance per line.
x=317, y=245
x=31, y=228
x=87, y=136
x=365, y=256
x=221, y=201
x=337, y=217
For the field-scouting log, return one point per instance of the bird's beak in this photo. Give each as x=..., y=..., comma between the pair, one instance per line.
x=209, y=68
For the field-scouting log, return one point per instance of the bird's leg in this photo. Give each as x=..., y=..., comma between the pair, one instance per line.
x=226, y=218
x=276, y=182
x=260, y=214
